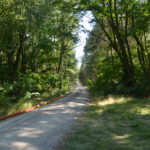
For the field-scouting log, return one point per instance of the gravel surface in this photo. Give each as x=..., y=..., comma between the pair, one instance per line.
x=44, y=128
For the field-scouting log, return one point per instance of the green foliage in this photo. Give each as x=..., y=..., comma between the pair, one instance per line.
x=4, y=104
x=29, y=95
x=117, y=52
x=31, y=82
x=36, y=47
x=36, y=51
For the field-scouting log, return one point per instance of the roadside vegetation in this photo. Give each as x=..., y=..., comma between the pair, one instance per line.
x=8, y=106
x=36, y=51
x=113, y=123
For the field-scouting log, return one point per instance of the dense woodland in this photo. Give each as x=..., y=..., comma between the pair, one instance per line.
x=117, y=53
x=37, y=63
x=37, y=38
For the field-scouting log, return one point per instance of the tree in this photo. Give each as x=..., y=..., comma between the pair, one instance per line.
x=36, y=44
x=120, y=27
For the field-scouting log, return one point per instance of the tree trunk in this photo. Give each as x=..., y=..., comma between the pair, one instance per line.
x=18, y=56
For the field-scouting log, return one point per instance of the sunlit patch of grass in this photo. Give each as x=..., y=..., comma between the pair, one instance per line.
x=145, y=110
x=113, y=123
x=122, y=139
x=20, y=106
x=112, y=100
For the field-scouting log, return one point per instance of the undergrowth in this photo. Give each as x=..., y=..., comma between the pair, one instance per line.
x=8, y=106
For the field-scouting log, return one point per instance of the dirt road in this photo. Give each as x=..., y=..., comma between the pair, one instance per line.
x=43, y=129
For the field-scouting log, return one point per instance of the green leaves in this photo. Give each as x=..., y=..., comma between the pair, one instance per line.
x=118, y=47
x=36, y=43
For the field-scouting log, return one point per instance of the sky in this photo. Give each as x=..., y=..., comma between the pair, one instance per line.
x=85, y=25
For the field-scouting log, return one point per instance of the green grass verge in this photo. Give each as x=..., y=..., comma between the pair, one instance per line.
x=113, y=123
x=8, y=107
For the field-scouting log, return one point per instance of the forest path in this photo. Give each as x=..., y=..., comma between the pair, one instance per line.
x=44, y=128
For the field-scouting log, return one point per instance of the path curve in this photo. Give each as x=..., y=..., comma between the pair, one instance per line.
x=43, y=129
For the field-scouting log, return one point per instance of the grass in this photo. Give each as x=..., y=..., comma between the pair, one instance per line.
x=113, y=123
x=7, y=107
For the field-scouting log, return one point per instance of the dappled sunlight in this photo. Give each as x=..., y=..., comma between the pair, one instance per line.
x=118, y=123
x=42, y=122
x=63, y=111
x=121, y=139
x=21, y=145
x=45, y=127
x=82, y=98
x=30, y=132
x=144, y=111
x=72, y=104
x=112, y=100
x=20, y=106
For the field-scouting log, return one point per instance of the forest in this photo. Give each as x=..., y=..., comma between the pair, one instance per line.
x=38, y=63
x=37, y=39
x=117, y=53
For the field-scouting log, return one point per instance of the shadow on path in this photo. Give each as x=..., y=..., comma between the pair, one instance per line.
x=44, y=128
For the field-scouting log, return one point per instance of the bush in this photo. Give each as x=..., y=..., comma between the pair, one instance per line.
x=30, y=82
x=4, y=103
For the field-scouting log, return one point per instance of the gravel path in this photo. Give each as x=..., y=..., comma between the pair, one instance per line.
x=43, y=129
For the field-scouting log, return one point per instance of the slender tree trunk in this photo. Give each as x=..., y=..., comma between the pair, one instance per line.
x=18, y=56
x=23, y=67
x=59, y=70
x=10, y=65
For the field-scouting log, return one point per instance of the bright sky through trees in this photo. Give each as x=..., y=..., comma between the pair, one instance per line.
x=83, y=34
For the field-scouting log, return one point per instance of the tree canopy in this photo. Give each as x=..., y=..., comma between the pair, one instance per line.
x=37, y=39
x=118, y=50
x=36, y=45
